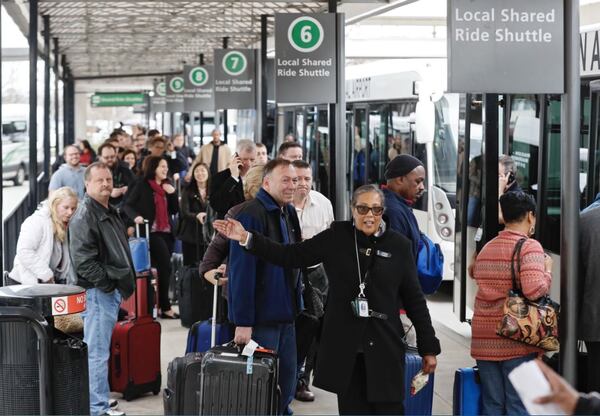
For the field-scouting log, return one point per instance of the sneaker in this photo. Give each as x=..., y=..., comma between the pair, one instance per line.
x=113, y=404
x=114, y=412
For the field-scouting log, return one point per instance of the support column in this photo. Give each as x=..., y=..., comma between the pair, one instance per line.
x=201, y=119
x=1, y=168
x=225, y=127
x=33, y=55
x=569, y=200
x=65, y=80
x=47, y=54
x=56, y=101
x=71, y=108
x=338, y=180
x=261, y=115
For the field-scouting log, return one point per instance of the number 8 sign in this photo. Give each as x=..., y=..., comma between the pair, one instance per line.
x=305, y=34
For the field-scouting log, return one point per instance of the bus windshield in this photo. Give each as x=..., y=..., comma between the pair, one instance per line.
x=444, y=149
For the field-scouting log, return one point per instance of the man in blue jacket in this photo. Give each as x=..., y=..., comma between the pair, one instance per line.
x=405, y=177
x=265, y=299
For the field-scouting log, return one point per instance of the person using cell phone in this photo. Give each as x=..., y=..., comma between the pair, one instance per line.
x=227, y=188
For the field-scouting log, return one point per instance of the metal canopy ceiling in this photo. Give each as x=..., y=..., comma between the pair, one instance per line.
x=101, y=38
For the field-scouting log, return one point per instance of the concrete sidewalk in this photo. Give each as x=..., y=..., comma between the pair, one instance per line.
x=455, y=354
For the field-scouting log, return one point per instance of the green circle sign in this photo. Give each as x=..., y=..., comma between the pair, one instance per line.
x=161, y=89
x=176, y=84
x=198, y=76
x=305, y=34
x=234, y=63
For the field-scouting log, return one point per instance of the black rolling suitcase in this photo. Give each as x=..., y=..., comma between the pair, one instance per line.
x=195, y=295
x=180, y=397
x=233, y=384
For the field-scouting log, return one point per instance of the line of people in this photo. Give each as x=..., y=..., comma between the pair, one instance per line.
x=119, y=194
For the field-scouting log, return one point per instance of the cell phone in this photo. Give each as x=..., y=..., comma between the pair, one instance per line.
x=511, y=177
x=239, y=165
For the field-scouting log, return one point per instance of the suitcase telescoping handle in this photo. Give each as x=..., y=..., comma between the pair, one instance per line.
x=213, y=327
x=137, y=229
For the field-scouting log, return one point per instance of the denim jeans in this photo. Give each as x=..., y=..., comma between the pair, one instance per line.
x=281, y=338
x=99, y=319
x=498, y=396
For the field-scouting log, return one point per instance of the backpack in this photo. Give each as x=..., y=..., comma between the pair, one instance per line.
x=430, y=265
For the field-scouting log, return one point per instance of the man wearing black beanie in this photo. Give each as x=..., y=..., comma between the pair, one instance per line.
x=405, y=175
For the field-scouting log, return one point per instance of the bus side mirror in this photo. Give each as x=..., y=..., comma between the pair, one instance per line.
x=425, y=121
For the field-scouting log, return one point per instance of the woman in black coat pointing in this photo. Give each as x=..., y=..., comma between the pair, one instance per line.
x=371, y=273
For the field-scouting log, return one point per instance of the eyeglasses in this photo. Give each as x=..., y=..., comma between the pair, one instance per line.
x=363, y=210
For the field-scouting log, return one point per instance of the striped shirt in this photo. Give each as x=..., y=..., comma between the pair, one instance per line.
x=493, y=275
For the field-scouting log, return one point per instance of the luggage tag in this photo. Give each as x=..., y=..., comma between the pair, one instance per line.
x=248, y=351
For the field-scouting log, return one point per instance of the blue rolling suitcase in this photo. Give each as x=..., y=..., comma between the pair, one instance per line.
x=422, y=402
x=206, y=334
x=199, y=336
x=467, y=392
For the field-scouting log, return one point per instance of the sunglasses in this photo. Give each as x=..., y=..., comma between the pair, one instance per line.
x=363, y=210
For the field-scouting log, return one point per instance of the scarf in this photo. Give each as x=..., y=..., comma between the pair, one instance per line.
x=161, y=219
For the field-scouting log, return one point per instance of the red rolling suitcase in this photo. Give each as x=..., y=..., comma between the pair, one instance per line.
x=135, y=348
x=144, y=300
x=135, y=357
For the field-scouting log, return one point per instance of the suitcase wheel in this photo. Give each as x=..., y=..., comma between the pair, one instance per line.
x=155, y=392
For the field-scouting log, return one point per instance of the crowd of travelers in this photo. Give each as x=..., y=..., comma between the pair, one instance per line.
x=276, y=240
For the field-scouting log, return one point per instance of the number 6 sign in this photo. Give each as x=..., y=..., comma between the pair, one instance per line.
x=305, y=34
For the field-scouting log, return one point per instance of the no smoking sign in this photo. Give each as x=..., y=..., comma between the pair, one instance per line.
x=64, y=305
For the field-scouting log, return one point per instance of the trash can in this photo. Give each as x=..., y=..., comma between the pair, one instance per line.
x=42, y=370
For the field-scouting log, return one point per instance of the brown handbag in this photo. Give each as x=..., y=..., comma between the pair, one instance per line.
x=533, y=322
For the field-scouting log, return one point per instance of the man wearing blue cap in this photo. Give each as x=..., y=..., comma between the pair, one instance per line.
x=405, y=177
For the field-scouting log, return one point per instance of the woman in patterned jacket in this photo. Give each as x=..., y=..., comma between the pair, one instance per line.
x=497, y=356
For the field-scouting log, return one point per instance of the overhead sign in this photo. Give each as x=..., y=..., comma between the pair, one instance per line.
x=198, y=94
x=305, y=58
x=159, y=100
x=117, y=99
x=174, y=98
x=506, y=46
x=235, y=78
x=590, y=53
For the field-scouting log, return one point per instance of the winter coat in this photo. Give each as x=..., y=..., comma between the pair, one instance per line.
x=140, y=202
x=392, y=281
x=225, y=192
x=99, y=249
x=261, y=292
x=34, y=251
x=402, y=219
x=189, y=228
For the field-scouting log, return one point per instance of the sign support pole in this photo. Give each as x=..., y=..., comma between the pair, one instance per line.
x=201, y=119
x=225, y=127
x=47, y=54
x=261, y=108
x=33, y=55
x=569, y=204
x=56, y=103
x=338, y=180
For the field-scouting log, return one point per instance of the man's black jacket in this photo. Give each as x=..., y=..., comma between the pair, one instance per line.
x=225, y=192
x=99, y=249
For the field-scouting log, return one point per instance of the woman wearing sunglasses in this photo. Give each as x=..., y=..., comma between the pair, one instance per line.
x=371, y=274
